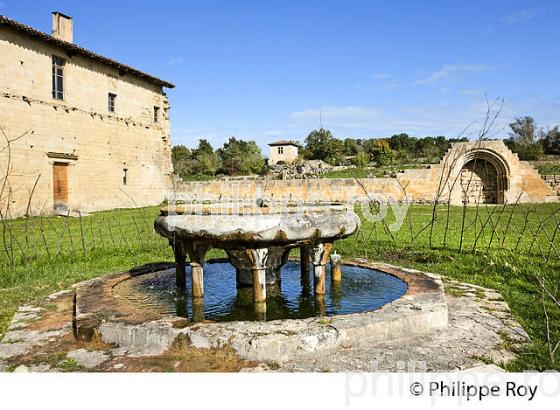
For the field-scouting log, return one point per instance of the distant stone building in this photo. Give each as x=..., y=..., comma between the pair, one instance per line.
x=283, y=152
x=97, y=132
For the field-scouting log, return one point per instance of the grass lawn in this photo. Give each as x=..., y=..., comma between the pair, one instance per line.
x=198, y=177
x=548, y=168
x=502, y=248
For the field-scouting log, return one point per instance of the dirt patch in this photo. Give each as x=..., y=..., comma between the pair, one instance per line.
x=182, y=358
x=55, y=315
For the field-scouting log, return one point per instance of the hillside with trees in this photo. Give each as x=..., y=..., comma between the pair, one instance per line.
x=238, y=157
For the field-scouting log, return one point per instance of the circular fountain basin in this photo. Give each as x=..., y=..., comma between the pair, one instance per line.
x=101, y=312
x=363, y=289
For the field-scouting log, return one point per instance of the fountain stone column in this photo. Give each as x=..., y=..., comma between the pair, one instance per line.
x=180, y=262
x=197, y=253
x=304, y=259
x=336, y=272
x=320, y=255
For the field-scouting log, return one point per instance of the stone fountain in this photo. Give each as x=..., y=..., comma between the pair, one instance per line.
x=257, y=240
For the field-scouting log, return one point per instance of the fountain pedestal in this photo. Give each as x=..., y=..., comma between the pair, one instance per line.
x=275, y=258
x=257, y=240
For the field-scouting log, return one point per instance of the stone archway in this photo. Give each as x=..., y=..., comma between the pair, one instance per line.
x=484, y=178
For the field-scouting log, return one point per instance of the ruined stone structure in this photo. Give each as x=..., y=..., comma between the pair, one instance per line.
x=95, y=131
x=283, y=152
x=482, y=171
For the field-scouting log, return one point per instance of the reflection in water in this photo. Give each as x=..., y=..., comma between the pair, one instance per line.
x=197, y=309
x=361, y=290
x=336, y=294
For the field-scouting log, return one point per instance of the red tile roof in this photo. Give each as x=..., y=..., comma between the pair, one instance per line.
x=284, y=142
x=74, y=49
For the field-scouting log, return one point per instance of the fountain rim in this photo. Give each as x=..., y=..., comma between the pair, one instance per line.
x=248, y=209
x=96, y=305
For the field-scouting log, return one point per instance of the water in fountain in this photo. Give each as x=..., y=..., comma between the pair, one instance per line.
x=361, y=290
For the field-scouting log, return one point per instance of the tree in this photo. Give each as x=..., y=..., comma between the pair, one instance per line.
x=351, y=147
x=523, y=139
x=180, y=156
x=523, y=130
x=381, y=152
x=403, y=143
x=551, y=141
x=320, y=144
x=206, y=160
x=427, y=147
x=360, y=160
x=240, y=157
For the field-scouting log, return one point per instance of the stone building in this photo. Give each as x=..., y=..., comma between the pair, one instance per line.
x=95, y=133
x=283, y=152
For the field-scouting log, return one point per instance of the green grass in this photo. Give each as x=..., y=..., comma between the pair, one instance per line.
x=49, y=254
x=548, y=169
x=197, y=177
x=507, y=270
x=348, y=173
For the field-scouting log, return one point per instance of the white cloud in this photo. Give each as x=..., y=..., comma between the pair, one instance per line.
x=448, y=71
x=273, y=133
x=447, y=118
x=478, y=92
x=382, y=76
x=388, y=81
x=345, y=117
x=176, y=61
x=522, y=16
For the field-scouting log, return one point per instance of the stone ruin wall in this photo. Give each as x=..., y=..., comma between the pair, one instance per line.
x=479, y=182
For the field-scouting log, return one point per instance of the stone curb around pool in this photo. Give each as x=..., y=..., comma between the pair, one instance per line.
x=100, y=315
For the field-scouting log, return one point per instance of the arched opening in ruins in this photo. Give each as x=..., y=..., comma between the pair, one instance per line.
x=484, y=178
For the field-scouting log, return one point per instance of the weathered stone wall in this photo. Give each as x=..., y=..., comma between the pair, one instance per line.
x=99, y=144
x=517, y=180
x=479, y=182
x=520, y=181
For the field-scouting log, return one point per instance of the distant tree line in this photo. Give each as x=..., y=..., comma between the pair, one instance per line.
x=239, y=157
x=235, y=157
x=399, y=148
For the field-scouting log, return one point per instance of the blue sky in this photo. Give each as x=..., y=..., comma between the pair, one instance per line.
x=265, y=70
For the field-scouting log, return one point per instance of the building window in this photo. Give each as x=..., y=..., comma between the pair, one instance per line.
x=125, y=176
x=156, y=114
x=111, y=102
x=57, y=78
x=281, y=150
